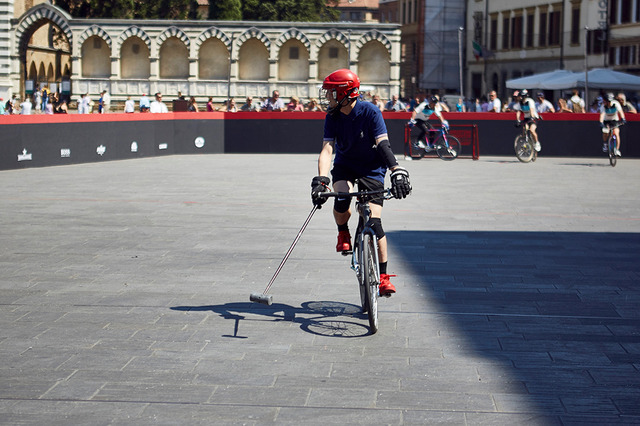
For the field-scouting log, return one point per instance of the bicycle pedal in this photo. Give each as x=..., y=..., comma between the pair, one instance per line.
x=347, y=252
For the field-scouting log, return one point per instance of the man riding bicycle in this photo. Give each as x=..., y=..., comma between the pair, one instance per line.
x=419, y=118
x=356, y=132
x=527, y=107
x=610, y=114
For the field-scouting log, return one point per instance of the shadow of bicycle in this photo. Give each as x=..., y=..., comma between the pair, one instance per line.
x=323, y=318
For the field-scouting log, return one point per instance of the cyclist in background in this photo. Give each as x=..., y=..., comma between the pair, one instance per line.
x=420, y=117
x=610, y=114
x=355, y=130
x=527, y=107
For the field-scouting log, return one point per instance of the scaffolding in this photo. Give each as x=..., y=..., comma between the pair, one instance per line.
x=441, y=68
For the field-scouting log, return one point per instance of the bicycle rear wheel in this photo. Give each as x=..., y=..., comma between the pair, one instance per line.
x=448, y=149
x=613, y=160
x=524, y=149
x=371, y=276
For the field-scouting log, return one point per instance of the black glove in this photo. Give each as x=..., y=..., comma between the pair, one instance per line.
x=601, y=125
x=400, y=185
x=517, y=124
x=319, y=184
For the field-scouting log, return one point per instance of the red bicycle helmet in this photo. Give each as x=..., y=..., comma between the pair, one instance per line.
x=344, y=85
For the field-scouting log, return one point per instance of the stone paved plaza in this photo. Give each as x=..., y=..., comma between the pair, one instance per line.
x=124, y=296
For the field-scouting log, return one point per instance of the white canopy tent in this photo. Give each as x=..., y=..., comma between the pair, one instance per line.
x=597, y=78
x=538, y=81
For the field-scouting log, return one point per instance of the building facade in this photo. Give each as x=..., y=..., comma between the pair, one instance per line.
x=508, y=40
x=197, y=58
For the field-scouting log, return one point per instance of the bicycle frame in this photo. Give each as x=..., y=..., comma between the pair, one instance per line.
x=364, y=258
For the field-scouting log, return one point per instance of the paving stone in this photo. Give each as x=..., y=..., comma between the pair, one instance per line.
x=124, y=292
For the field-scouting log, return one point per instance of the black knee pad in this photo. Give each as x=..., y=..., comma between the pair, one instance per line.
x=341, y=205
x=376, y=225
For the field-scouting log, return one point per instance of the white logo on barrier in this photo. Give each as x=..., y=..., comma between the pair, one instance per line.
x=134, y=146
x=199, y=142
x=25, y=156
x=163, y=146
x=65, y=153
x=101, y=150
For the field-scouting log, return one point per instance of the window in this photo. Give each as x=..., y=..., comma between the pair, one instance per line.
x=505, y=33
x=516, y=32
x=596, y=42
x=543, y=30
x=554, y=28
x=333, y=52
x=294, y=53
x=613, y=15
x=625, y=11
x=494, y=34
x=575, y=25
x=530, y=32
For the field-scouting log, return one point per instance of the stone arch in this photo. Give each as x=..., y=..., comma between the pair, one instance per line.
x=374, y=62
x=173, y=32
x=253, y=32
x=133, y=32
x=372, y=35
x=212, y=33
x=33, y=72
x=94, y=30
x=31, y=21
x=293, y=33
x=96, y=57
x=333, y=34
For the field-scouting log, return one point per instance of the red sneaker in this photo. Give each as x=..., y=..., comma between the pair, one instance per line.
x=344, y=241
x=386, y=288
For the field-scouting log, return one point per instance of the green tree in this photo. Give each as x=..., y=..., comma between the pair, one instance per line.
x=118, y=9
x=290, y=10
x=225, y=10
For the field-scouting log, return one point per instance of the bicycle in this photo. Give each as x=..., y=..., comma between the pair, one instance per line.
x=364, y=256
x=612, y=142
x=524, y=145
x=447, y=147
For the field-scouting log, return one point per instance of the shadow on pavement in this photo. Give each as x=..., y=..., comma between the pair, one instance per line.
x=325, y=318
x=558, y=311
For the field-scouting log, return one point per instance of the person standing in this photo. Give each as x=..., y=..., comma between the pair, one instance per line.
x=144, y=103
x=543, y=105
x=157, y=106
x=129, y=105
x=356, y=132
x=495, y=105
x=26, y=106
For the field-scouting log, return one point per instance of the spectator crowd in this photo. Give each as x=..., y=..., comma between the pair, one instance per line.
x=42, y=101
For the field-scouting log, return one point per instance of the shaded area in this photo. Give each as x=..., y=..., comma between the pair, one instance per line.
x=558, y=310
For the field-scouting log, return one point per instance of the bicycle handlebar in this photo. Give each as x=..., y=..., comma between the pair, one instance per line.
x=359, y=194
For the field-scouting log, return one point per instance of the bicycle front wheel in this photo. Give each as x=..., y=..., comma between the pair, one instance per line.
x=524, y=149
x=371, y=280
x=613, y=160
x=448, y=148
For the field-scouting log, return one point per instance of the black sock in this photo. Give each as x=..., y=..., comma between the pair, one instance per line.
x=343, y=227
x=383, y=267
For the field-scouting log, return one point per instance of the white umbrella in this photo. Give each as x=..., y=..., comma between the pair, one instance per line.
x=602, y=78
x=538, y=81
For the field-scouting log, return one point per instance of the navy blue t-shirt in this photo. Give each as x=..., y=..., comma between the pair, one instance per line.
x=355, y=139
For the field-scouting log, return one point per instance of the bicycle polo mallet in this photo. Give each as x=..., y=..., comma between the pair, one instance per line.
x=267, y=299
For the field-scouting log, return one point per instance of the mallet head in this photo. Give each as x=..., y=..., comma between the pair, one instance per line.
x=265, y=299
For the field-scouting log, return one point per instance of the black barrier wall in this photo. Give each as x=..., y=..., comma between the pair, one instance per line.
x=26, y=142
